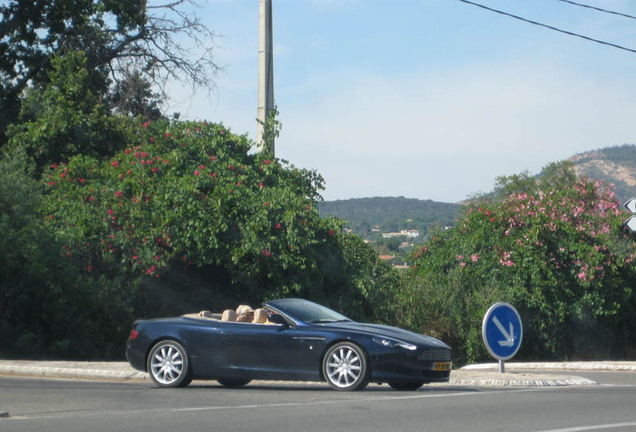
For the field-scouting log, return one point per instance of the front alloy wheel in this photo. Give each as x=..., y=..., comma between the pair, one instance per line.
x=345, y=367
x=168, y=365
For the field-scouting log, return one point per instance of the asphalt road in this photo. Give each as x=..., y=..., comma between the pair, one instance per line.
x=56, y=405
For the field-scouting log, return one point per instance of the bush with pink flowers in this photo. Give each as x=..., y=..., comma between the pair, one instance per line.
x=555, y=248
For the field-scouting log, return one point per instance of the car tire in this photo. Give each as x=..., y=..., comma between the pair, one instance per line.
x=406, y=385
x=344, y=367
x=233, y=382
x=168, y=365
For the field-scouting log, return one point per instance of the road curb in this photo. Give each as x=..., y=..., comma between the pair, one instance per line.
x=609, y=366
x=477, y=375
x=71, y=372
x=557, y=382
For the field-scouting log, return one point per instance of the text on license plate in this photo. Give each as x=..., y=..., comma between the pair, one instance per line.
x=442, y=366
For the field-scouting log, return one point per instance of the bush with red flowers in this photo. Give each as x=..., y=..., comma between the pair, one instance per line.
x=188, y=212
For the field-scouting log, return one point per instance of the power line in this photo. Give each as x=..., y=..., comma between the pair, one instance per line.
x=598, y=9
x=569, y=33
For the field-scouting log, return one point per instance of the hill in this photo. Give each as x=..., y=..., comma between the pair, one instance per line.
x=612, y=164
x=369, y=217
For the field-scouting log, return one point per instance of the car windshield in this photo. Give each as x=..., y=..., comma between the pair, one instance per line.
x=307, y=311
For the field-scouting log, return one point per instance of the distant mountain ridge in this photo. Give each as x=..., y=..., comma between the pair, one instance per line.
x=615, y=165
x=369, y=217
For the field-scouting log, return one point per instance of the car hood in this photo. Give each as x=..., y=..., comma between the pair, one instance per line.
x=390, y=332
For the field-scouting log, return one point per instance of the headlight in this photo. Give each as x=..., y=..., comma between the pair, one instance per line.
x=391, y=343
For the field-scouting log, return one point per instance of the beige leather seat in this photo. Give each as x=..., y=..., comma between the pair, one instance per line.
x=228, y=315
x=260, y=316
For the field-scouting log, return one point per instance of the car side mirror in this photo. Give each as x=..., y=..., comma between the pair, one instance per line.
x=277, y=319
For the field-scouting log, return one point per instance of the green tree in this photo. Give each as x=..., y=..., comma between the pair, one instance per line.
x=64, y=117
x=562, y=257
x=516, y=183
x=133, y=96
x=119, y=37
x=44, y=302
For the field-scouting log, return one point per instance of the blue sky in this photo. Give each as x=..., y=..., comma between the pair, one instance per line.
x=429, y=99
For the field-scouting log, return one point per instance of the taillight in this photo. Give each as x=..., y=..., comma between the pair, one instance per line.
x=133, y=334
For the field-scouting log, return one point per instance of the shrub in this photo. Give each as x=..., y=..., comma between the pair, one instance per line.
x=560, y=255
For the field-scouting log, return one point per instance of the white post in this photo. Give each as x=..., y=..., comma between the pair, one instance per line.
x=265, y=72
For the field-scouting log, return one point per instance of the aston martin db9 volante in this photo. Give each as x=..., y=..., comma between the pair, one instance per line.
x=287, y=339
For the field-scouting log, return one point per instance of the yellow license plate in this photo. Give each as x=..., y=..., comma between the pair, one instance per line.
x=442, y=366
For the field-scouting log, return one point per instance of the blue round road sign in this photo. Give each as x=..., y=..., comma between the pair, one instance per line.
x=502, y=331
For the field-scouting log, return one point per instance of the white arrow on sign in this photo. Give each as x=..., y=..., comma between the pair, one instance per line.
x=631, y=205
x=509, y=336
x=631, y=223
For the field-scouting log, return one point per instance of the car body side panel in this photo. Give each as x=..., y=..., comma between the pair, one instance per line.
x=259, y=351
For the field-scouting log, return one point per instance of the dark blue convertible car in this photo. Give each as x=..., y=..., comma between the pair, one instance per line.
x=288, y=339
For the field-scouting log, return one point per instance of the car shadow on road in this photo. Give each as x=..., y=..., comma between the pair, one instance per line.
x=322, y=387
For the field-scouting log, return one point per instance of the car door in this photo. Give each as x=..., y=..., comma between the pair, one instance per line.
x=264, y=351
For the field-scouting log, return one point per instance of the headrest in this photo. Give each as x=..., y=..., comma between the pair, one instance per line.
x=228, y=315
x=260, y=316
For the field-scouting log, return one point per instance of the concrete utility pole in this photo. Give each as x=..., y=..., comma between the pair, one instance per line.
x=265, y=72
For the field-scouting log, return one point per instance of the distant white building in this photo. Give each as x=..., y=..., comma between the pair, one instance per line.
x=411, y=233
x=403, y=233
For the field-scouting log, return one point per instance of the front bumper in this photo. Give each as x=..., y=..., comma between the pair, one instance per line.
x=411, y=367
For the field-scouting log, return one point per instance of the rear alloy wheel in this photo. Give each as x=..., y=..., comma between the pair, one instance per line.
x=406, y=385
x=345, y=367
x=168, y=365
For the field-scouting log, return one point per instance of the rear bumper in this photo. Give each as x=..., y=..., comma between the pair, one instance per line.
x=135, y=356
